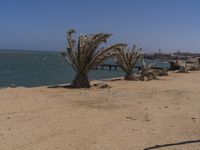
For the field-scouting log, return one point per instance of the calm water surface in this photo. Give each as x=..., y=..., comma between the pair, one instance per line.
x=39, y=68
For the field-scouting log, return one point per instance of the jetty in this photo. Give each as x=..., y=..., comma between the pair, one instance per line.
x=115, y=67
x=107, y=67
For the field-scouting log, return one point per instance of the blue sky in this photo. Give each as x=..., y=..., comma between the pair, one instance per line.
x=152, y=24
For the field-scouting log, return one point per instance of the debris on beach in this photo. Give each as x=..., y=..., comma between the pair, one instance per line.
x=12, y=86
x=160, y=72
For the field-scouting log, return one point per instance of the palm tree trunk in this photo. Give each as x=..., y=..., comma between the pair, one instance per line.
x=128, y=75
x=143, y=74
x=81, y=81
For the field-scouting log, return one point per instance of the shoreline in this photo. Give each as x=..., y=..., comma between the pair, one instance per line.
x=120, y=78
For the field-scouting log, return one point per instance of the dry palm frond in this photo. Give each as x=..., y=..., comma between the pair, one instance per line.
x=147, y=72
x=126, y=60
x=86, y=54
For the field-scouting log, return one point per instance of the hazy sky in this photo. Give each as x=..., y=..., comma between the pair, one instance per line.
x=151, y=24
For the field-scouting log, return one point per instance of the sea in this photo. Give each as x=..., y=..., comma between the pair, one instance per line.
x=42, y=68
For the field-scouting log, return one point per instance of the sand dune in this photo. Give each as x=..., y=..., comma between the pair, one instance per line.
x=129, y=116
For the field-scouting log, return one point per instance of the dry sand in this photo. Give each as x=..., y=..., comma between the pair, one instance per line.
x=129, y=116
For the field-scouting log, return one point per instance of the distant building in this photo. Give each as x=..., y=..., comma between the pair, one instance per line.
x=194, y=60
x=158, y=56
x=185, y=55
x=174, y=56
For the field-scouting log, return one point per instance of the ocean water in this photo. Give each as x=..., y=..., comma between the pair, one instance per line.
x=41, y=68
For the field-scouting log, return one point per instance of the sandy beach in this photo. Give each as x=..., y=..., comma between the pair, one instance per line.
x=131, y=115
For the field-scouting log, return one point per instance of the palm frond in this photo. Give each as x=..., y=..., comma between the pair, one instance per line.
x=72, y=52
x=104, y=53
x=127, y=58
x=86, y=54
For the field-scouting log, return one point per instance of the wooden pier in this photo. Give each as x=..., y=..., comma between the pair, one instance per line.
x=115, y=67
x=107, y=67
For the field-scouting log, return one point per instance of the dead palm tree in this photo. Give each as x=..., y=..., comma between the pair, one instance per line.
x=86, y=55
x=126, y=60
